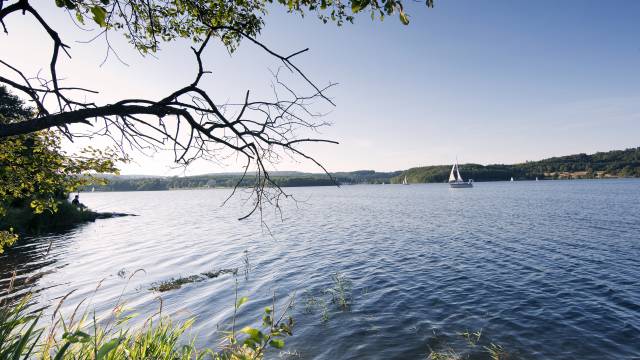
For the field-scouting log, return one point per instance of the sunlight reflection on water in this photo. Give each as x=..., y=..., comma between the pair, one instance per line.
x=547, y=269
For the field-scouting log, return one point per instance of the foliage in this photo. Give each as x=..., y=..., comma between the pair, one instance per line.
x=112, y=338
x=497, y=352
x=23, y=220
x=617, y=163
x=254, y=345
x=312, y=303
x=470, y=349
x=340, y=292
x=18, y=332
x=472, y=338
x=625, y=163
x=281, y=178
x=147, y=23
x=35, y=172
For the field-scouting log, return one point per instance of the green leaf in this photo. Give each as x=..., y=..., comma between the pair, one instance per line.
x=358, y=5
x=267, y=310
x=99, y=15
x=277, y=343
x=254, y=334
x=63, y=349
x=404, y=18
x=125, y=319
x=266, y=320
x=76, y=337
x=241, y=301
x=106, y=348
x=80, y=17
x=26, y=337
x=355, y=6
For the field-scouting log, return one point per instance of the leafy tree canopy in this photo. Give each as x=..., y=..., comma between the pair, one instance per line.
x=35, y=172
x=146, y=23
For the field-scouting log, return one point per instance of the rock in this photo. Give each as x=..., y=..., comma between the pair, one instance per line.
x=109, y=215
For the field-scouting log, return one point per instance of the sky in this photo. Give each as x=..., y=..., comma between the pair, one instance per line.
x=481, y=81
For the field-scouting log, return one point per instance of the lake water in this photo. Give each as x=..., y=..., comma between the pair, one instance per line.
x=548, y=270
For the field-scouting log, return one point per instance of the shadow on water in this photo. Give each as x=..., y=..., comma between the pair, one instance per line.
x=30, y=259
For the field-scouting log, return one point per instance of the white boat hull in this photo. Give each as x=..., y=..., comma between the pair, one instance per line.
x=460, y=185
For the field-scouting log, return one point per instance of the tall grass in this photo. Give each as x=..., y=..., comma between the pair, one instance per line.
x=18, y=333
x=159, y=338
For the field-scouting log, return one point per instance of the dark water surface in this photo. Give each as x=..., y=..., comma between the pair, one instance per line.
x=548, y=270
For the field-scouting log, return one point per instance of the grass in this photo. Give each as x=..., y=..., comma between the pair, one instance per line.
x=472, y=340
x=18, y=332
x=111, y=338
x=84, y=336
x=340, y=294
x=444, y=355
x=497, y=352
x=22, y=338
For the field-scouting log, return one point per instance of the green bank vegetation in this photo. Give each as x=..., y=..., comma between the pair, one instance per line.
x=617, y=163
x=82, y=336
x=36, y=175
x=24, y=220
x=281, y=178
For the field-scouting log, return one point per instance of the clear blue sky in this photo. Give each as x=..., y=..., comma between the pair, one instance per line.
x=486, y=81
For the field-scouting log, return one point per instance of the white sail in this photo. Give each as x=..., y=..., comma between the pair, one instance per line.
x=458, y=173
x=452, y=176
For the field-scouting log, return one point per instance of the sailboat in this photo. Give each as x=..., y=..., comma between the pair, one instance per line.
x=455, y=179
x=404, y=181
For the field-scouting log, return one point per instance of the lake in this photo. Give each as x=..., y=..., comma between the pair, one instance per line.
x=547, y=270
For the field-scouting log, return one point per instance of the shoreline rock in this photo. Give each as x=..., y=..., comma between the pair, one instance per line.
x=106, y=215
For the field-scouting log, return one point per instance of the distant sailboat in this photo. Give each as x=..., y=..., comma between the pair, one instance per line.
x=511, y=179
x=404, y=181
x=455, y=179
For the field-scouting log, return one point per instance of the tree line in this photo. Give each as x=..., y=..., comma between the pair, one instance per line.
x=616, y=163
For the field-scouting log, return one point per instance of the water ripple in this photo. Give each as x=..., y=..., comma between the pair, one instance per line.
x=547, y=269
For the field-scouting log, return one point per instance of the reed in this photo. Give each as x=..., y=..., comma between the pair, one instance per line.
x=113, y=338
